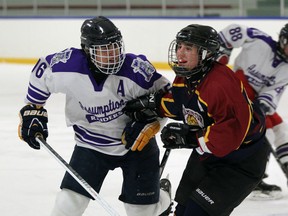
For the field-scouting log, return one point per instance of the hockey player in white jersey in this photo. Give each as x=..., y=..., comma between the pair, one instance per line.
x=98, y=80
x=262, y=65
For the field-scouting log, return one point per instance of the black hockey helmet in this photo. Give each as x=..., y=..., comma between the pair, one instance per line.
x=98, y=31
x=98, y=35
x=283, y=40
x=201, y=36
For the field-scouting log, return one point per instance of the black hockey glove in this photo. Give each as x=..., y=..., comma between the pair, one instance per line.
x=143, y=109
x=33, y=121
x=136, y=135
x=264, y=108
x=177, y=135
x=144, y=116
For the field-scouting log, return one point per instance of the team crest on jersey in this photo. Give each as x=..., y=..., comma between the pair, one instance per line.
x=192, y=117
x=143, y=67
x=61, y=57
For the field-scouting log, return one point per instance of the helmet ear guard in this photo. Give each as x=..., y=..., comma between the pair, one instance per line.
x=102, y=42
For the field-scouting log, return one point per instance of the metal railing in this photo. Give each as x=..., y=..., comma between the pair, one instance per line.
x=198, y=8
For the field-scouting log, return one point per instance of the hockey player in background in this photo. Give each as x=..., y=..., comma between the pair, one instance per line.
x=225, y=131
x=97, y=81
x=262, y=66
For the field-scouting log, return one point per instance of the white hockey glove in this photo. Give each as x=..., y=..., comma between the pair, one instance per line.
x=224, y=53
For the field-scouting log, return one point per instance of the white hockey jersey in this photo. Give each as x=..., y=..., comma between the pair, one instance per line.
x=94, y=110
x=264, y=69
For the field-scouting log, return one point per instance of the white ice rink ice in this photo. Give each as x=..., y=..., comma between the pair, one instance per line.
x=30, y=179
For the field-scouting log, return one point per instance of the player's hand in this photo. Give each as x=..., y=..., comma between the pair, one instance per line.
x=33, y=121
x=265, y=108
x=142, y=109
x=224, y=52
x=223, y=55
x=136, y=135
x=177, y=135
x=140, y=103
x=145, y=108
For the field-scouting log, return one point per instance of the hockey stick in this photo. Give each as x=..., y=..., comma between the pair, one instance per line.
x=277, y=159
x=77, y=177
x=164, y=161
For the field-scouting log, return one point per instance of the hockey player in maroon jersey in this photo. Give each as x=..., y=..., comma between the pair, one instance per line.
x=224, y=130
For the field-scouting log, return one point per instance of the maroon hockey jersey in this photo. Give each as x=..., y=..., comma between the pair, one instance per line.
x=220, y=106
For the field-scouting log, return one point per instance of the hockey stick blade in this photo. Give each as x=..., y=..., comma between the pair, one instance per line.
x=77, y=177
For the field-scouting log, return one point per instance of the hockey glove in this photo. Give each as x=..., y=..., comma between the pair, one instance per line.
x=177, y=135
x=264, y=108
x=33, y=121
x=223, y=55
x=143, y=109
x=136, y=135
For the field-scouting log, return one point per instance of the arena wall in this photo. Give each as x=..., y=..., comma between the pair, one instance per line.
x=24, y=40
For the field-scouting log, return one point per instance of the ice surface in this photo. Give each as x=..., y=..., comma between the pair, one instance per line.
x=29, y=179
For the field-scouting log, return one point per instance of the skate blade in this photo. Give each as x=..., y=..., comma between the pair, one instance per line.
x=263, y=196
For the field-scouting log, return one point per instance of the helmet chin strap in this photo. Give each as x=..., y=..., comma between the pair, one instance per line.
x=194, y=81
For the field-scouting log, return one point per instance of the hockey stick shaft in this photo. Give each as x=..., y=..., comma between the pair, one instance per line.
x=164, y=161
x=277, y=159
x=77, y=177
